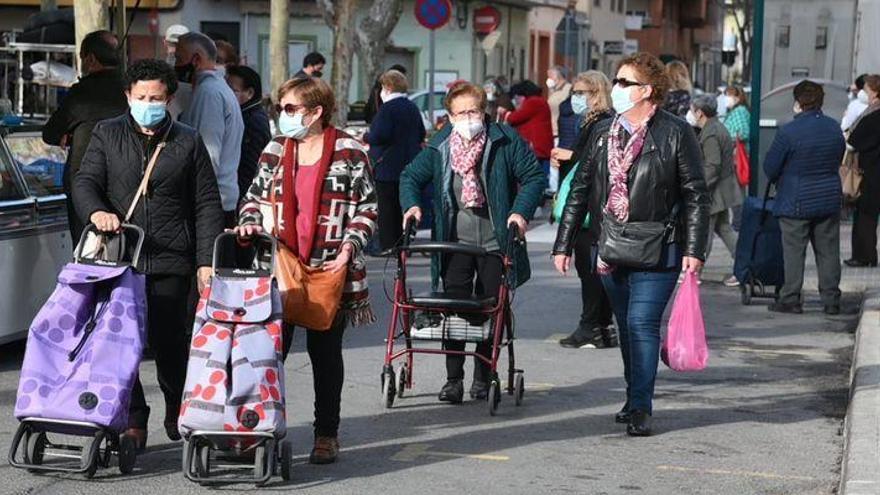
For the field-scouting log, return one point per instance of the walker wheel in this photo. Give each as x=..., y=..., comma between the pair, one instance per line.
x=494, y=397
x=748, y=288
x=127, y=454
x=90, y=453
x=388, y=391
x=286, y=460
x=402, y=376
x=519, y=388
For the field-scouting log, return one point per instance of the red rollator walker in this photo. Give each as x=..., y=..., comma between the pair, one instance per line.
x=441, y=317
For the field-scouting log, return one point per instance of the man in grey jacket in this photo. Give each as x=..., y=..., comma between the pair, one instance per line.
x=214, y=112
x=717, y=147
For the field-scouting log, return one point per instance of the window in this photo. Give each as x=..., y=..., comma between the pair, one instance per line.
x=598, y=3
x=783, y=36
x=9, y=189
x=621, y=6
x=821, y=37
x=41, y=165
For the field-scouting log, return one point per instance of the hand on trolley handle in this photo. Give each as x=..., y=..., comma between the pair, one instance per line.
x=105, y=221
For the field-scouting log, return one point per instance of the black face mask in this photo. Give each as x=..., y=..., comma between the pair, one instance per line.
x=185, y=72
x=317, y=74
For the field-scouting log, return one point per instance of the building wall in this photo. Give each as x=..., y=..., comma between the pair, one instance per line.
x=792, y=48
x=607, y=23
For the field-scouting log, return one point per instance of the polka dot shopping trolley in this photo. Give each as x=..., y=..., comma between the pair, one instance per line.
x=81, y=360
x=233, y=413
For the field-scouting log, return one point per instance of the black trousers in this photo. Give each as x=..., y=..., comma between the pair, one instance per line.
x=390, y=214
x=464, y=276
x=73, y=222
x=168, y=309
x=596, y=310
x=325, y=353
x=864, y=233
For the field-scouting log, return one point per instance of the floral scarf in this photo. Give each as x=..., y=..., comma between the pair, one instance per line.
x=620, y=159
x=464, y=162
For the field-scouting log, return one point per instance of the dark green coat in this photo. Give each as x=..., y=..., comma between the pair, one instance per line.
x=513, y=179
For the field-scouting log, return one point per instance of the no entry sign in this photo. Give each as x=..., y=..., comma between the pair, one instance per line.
x=433, y=14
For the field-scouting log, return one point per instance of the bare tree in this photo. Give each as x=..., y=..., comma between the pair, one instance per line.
x=372, y=37
x=339, y=16
x=742, y=12
x=89, y=15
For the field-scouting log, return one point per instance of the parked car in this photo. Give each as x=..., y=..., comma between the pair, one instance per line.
x=420, y=98
x=34, y=238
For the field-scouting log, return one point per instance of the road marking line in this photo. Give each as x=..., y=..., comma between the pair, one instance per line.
x=779, y=352
x=412, y=452
x=555, y=338
x=750, y=474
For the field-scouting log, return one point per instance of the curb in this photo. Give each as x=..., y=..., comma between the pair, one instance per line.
x=860, y=467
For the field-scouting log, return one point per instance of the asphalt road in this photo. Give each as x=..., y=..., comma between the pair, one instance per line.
x=763, y=418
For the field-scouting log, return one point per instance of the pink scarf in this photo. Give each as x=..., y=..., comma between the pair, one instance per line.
x=464, y=162
x=620, y=160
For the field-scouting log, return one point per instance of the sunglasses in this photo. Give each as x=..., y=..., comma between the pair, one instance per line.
x=289, y=109
x=625, y=83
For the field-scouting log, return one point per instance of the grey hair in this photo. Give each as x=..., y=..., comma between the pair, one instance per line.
x=200, y=43
x=707, y=104
x=562, y=71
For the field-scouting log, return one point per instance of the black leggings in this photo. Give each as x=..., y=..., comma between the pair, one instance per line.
x=168, y=310
x=325, y=353
x=596, y=310
x=459, y=274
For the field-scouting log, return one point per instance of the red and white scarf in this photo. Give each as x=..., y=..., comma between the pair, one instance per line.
x=465, y=155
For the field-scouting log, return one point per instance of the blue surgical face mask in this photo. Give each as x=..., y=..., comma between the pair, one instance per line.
x=147, y=114
x=621, y=99
x=579, y=104
x=292, y=125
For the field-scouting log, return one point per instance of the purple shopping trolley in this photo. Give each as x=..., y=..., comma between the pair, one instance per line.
x=81, y=359
x=233, y=403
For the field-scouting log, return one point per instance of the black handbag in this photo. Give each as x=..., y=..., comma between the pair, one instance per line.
x=635, y=244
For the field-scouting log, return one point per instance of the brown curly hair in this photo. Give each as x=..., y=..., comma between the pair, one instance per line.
x=652, y=72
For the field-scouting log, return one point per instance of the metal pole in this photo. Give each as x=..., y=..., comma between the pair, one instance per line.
x=757, y=69
x=121, y=22
x=431, y=50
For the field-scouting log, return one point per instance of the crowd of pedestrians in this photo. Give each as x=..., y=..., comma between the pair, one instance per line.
x=644, y=152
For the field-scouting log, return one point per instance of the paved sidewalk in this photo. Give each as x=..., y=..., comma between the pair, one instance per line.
x=764, y=418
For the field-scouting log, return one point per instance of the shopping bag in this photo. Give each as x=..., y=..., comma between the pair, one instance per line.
x=562, y=197
x=684, y=348
x=851, y=177
x=743, y=170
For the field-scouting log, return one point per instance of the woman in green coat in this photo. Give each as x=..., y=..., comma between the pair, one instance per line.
x=485, y=178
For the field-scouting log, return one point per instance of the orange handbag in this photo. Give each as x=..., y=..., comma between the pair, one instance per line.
x=310, y=297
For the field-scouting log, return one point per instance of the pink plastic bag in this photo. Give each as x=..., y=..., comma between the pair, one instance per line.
x=685, y=346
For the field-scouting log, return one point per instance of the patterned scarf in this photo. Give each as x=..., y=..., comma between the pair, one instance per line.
x=620, y=160
x=464, y=162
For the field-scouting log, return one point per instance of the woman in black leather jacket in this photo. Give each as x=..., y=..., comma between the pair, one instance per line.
x=642, y=173
x=591, y=101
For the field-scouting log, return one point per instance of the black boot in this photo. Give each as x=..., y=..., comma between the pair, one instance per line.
x=452, y=392
x=639, y=424
x=609, y=336
x=585, y=337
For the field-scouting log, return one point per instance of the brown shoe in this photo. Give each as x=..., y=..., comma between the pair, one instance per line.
x=325, y=451
x=139, y=435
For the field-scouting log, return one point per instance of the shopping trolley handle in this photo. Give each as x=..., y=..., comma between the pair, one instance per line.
x=231, y=238
x=125, y=227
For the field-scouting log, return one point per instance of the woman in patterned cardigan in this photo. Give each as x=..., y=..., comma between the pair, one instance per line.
x=326, y=211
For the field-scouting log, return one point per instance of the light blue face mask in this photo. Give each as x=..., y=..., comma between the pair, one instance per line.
x=292, y=125
x=620, y=99
x=146, y=114
x=579, y=104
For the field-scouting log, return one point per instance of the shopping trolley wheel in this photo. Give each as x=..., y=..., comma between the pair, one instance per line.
x=203, y=460
x=494, y=396
x=260, y=465
x=748, y=289
x=286, y=460
x=90, y=453
x=127, y=454
x=519, y=388
x=35, y=447
x=388, y=391
x=402, y=376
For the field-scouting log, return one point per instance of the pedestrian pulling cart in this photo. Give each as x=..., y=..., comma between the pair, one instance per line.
x=441, y=317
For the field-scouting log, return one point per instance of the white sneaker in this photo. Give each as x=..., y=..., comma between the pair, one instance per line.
x=731, y=281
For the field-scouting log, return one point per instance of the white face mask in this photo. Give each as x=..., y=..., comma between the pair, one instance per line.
x=621, y=99
x=691, y=118
x=468, y=129
x=551, y=83
x=384, y=95
x=863, y=96
x=796, y=108
x=729, y=101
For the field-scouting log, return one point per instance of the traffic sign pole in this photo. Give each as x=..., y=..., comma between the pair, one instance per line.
x=431, y=53
x=432, y=14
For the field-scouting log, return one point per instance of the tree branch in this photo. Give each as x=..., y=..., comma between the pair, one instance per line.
x=328, y=11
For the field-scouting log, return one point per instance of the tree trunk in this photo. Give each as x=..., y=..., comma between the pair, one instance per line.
x=279, y=25
x=340, y=16
x=89, y=16
x=372, y=38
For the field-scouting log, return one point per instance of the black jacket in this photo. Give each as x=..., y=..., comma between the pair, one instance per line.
x=181, y=214
x=94, y=98
x=396, y=137
x=256, y=136
x=865, y=138
x=668, y=171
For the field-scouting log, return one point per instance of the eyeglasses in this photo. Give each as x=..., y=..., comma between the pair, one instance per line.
x=578, y=92
x=625, y=83
x=469, y=113
x=289, y=109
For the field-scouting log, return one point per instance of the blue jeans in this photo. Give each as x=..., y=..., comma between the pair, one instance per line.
x=638, y=299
